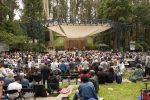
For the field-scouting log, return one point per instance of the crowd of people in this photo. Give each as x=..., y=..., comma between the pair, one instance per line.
x=95, y=66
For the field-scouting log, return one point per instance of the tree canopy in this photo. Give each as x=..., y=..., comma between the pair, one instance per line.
x=132, y=19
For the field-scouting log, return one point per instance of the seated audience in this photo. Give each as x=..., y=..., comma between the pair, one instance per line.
x=110, y=75
x=29, y=75
x=14, y=86
x=101, y=76
x=84, y=72
x=63, y=68
x=94, y=80
x=3, y=73
x=53, y=82
x=137, y=74
x=9, y=79
x=24, y=81
x=118, y=75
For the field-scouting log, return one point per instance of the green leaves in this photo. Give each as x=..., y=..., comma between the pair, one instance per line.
x=11, y=39
x=33, y=9
x=117, y=10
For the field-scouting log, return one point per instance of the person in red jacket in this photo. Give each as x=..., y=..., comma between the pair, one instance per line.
x=84, y=72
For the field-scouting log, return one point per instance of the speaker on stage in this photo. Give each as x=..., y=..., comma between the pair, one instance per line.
x=47, y=36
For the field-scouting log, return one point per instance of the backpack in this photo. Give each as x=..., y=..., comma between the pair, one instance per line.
x=118, y=79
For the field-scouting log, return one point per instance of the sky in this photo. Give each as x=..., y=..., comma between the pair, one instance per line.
x=17, y=12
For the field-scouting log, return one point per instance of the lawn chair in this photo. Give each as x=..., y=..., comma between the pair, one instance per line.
x=145, y=93
x=27, y=93
x=13, y=94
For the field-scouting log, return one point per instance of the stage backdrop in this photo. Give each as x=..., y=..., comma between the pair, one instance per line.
x=77, y=43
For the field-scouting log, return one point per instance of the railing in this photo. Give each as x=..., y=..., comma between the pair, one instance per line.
x=59, y=21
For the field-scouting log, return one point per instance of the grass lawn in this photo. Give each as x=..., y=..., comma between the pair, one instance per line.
x=114, y=91
x=123, y=91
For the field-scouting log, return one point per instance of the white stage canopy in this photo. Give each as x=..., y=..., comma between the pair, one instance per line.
x=79, y=31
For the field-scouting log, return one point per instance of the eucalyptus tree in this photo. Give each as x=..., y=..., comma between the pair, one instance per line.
x=118, y=11
x=141, y=19
x=63, y=9
x=7, y=8
x=32, y=12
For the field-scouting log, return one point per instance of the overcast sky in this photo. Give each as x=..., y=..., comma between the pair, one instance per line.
x=17, y=12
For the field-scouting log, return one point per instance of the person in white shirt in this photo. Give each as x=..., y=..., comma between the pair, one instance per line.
x=54, y=65
x=85, y=64
x=14, y=86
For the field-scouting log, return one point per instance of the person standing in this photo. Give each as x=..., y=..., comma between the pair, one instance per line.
x=54, y=66
x=147, y=65
x=45, y=71
x=63, y=68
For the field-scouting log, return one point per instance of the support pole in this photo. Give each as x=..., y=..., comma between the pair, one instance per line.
x=51, y=40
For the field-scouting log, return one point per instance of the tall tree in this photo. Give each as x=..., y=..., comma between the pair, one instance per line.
x=7, y=8
x=118, y=11
x=33, y=12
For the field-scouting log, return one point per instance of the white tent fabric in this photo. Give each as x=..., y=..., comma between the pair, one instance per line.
x=57, y=29
x=102, y=29
x=79, y=31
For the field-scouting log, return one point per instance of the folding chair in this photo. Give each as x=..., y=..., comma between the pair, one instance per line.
x=145, y=93
x=27, y=94
x=65, y=98
x=13, y=94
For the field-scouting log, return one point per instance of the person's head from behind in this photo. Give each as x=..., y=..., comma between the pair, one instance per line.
x=84, y=79
x=92, y=72
x=21, y=75
x=63, y=61
x=17, y=79
x=138, y=65
x=100, y=69
x=84, y=71
x=111, y=70
x=10, y=75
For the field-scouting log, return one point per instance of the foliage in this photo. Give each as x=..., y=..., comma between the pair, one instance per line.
x=134, y=17
x=141, y=13
x=11, y=26
x=32, y=14
x=14, y=41
x=59, y=43
x=7, y=7
x=116, y=10
x=33, y=9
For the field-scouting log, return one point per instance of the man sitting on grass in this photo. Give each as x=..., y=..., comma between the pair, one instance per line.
x=137, y=74
x=86, y=90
